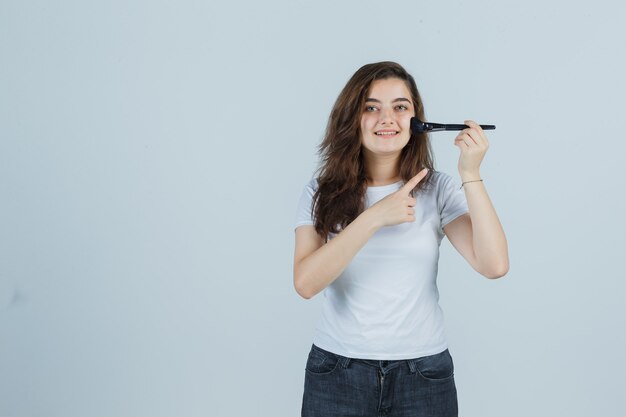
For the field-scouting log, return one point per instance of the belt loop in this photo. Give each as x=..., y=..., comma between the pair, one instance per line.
x=412, y=365
x=345, y=361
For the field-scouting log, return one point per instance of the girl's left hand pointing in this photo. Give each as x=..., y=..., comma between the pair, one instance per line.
x=473, y=144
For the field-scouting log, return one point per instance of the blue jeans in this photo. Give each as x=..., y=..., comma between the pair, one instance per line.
x=336, y=386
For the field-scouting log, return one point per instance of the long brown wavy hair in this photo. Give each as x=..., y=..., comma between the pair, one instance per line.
x=342, y=180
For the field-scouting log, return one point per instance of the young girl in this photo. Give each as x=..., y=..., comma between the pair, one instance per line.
x=368, y=231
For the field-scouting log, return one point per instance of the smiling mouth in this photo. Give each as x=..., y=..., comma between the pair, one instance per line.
x=386, y=134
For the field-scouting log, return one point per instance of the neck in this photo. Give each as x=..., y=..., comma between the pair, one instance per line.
x=382, y=170
x=381, y=177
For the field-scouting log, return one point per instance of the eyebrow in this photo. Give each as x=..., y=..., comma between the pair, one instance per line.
x=394, y=101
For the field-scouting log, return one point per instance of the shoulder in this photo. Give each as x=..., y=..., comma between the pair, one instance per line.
x=308, y=191
x=305, y=204
x=310, y=187
x=443, y=181
x=436, y=181
x=441, y=177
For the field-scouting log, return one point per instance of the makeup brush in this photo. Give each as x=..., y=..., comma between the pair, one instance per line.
x=420, y=127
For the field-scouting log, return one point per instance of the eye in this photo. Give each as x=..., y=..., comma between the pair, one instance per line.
x=403, y=107
x=370, y=108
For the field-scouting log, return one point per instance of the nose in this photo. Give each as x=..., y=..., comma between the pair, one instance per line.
x=386, y=116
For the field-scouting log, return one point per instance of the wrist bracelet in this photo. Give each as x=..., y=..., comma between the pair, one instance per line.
x=468, y=182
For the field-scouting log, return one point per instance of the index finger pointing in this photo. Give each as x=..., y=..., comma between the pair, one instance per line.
x=415, y=180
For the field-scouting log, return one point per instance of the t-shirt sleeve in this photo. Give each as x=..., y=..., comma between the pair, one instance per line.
x=303, y=212
x=451, y=200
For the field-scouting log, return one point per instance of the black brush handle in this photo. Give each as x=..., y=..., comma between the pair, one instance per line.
x=461, y=127
x=420, y=127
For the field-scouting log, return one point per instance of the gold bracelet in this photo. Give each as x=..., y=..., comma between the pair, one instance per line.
x=467, y=182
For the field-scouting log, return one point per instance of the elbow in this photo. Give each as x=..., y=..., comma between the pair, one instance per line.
x=304, y=294
x=497, y=272
x=301, y=289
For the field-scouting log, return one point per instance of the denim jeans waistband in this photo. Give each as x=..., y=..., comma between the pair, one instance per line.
x=387, y=364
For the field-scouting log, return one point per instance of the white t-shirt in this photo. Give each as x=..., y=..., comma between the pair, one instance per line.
x=385, y=304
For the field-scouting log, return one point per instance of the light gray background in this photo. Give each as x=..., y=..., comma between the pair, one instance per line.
x=152, y=154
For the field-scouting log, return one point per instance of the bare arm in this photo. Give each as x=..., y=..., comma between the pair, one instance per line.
x=479, y=236
x=316, y=271
x=317, y=265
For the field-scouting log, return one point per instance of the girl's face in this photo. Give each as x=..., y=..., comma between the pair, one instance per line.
x=386, y=118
